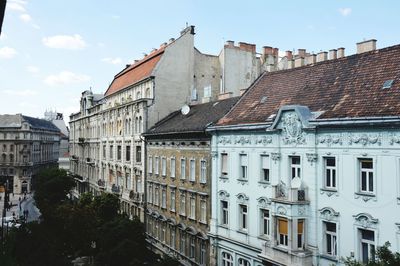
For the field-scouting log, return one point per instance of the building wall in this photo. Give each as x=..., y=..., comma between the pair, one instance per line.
x=350, y=209
x=173, y=218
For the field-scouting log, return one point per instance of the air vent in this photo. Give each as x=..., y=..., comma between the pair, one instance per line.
x=387, y=84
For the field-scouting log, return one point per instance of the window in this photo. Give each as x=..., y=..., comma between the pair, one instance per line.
x=366, y=176
x=282, y=232
x=192, y=247
x=172, y=201
x=128, y=153
x=182, y=244
x=119, y=151
x=243, y=166
x=265, y=222
x=203, y=210
x=156, y=196
x=242, y=217
x=164, y=198
x=192, y=173
x=227, y=259
x=243, y=262
x=202, y=253
x=163, y=166
x=138, y=154
x=172, y=168
x=300, y=233
x=330, y=239
x=111, y=152
x=150, y=165
x=295, y=166
x=207, y=91
x=150, y=193
x=172, y=238
x=162, y=233
x=265, y=168
x=192, y=213
x=156, y=165
x=104, y=152
x=182, y=206
x=183, y=168
x=224, y=164
x=224, y=212
x=203, y=172
x=330, y=172
x=367, y=244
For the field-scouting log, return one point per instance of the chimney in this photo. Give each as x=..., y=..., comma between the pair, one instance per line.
x=163, y=45
x=311, y=59
x=153, y=50
x=298, y=62
x=289, y=55
x=366, y=46
x=301, y=53
x=340, y=52
x=267, y=50
x=136, y=61
x=332, y=54
x=230, y=44
x=322, y=56
x=171, y=40
x=275, y=52
x=144, y=54
x=247, y=47
x=290, y=64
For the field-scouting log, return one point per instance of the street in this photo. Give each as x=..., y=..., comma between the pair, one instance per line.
x=26, y=203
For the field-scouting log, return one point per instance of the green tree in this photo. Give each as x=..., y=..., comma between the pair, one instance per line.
x=384, y=257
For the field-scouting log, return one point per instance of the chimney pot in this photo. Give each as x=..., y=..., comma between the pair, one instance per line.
x=163, y=44
x=275, y=52
x=322, y=56
x=289, y=55
x=171, y=40
x=340, y=52
x=301, y=53
x=230, y=43
x=267, y=50
x=332, y=54
x=366, y=46
x=247, y=47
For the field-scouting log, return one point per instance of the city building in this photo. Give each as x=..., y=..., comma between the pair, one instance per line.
x=178, y=181
x=58, y=120
x=106, y=148
x=27, y=145
x=305, y=167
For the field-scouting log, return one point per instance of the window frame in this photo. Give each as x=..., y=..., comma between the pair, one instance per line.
x=203, y=171
x=265, y=221
x=243, y=217
x=263, y=168
x=296, y=167
x=333, y=239
x=368, y=172
x=243, y=166
x=192, y=170
x=224, y=164
x=183, y=169
x=172, y=162
x=224, y=212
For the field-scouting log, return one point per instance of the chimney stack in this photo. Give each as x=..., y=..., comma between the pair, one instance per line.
x=366, y=46
x=340, y=52
x=230, y=44
x=289, y=55
x=267, y=50
x=275, y=52
x=298, y=62
x=247, y=47
x=163, y=45
x=301, y=53
x=311, y=59
x=332, y=54
x=171, y=40
x=322, y=56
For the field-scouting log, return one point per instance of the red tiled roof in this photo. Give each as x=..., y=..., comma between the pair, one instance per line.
x=136, y=72
x=341, y=88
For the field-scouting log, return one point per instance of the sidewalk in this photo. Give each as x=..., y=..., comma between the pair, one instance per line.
x=17, y=204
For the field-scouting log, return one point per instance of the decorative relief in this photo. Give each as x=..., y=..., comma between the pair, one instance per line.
x=365, y=139
x=364, y=197
x=302, y=210
x=398, y=227
x=225, y=140
x=214, y=154
x=276, y=156
x=394, y=139
x=264, y=140
x=281, y=210
x=365, y=220
x=242, y=140
x=328, y=214
x=330, y=140
x=263, y=202
x=242, y=198
x=292, y=129
x=242, y=181
x=328, y=192
x=223, y=194
x=312, y=157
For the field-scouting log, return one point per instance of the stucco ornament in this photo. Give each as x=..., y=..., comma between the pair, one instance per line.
x=225, y=140
x=365, y=220
x=328, y=214
x=263, y=202
x=275, y=156
x=394, y=139
x=331, y=139
x=365, y=139
x=292, y=129
x=281, y=210
x=264, y=140
x=243, y=140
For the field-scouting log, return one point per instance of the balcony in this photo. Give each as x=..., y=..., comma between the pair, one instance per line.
x=81, y=140
x=74, y=158
x=89, y=161
x=279, y=256
x=293, y=195
x=81, y=178
x=101, y=183
x=136, y=196
x=115, y=189
x=23, y=163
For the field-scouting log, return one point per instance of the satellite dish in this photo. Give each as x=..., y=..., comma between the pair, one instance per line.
x=185, y=109
x=296, y=182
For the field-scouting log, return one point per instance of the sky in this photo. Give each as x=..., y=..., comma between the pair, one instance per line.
x=53, y=50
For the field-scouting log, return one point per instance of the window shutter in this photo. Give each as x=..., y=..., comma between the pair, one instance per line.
x=283, y=226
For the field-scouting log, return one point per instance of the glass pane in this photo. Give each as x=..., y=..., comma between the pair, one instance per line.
x=296, y=160
x=370, y=182
x=331, y=227
x=366, y=164
x=364, y=250
x=367, y=235
x=363, y=181
x=328, y=244
x=330, y=162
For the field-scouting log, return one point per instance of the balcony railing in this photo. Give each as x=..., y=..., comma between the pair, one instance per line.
x=115, y=189
x=74, y=158
x=89, y=161
x=284, y=193
x=136, y=196
x=101, y=183
x=81, y=140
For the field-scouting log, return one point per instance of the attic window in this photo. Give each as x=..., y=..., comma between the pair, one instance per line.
x=387, y=84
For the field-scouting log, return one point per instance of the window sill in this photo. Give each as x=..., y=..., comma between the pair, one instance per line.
x=203, y=222
x=365, y=196
x=226, y=226
x=264, y=184
x=264, y=237
x=192, y=218
x=329, y=257
x=243, y=231
x=329, y=191
x=242, y=181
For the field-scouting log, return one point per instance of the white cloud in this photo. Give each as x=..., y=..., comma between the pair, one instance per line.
x=345, y=11
x=71, y=42
x=16, y=6
x=66, y=77
x=23, y=93
x=25, y=17
x=114, y=61
x=7, y=52
x=32, y=69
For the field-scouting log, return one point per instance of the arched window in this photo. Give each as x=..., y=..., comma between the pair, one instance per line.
x=3, y=157
x=140, y=124
x=138, y=95
x=227, y=259
x=11, y=158
x=243, y=262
